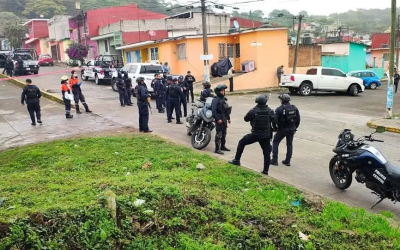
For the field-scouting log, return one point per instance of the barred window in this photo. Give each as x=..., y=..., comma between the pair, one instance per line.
x=181, y=48
x=230, y=50
x=237, y=50
x=222, y=51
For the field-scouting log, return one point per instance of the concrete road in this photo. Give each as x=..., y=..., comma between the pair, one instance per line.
x=323, y=117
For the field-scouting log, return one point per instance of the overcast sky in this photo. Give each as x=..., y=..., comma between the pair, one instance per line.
x=313, y=7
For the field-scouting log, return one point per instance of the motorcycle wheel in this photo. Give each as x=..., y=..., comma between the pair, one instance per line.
x=201, y=139
x=189, y=133
x=340, y=175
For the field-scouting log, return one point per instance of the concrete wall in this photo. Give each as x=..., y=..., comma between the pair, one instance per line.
x=58, y=27
x=338, y=62
x=309, y=55
x=337, y=48
x=357, y=57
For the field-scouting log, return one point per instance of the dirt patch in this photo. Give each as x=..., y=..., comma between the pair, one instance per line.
x=37, y=218
x=315, y=202
x=147, y=165
x=4, y=230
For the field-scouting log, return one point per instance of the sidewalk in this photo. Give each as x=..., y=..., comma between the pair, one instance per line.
x=391, y=125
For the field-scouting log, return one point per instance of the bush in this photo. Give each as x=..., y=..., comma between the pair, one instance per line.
x=77, y=51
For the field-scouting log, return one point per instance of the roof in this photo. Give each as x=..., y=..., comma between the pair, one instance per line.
x=95, y=38
x=35, y=20
x=135, y=45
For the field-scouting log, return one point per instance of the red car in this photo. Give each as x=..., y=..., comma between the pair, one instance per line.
x=46, y=60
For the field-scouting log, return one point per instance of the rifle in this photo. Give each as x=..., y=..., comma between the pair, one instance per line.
x=148, y=103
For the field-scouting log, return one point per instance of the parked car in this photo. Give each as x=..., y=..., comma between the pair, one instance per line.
x=100, y=69
x=370, y=78
x=30, y=59
x=46, y=60
x=322, y=79
x=135, y=70
x=3, y=58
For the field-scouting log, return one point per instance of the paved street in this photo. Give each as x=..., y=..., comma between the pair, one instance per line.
x=323, y=117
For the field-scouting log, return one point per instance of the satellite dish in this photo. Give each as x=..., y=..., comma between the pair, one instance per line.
x=41, y=16
x=152, y=33
x=27, y=35
x=236, y=24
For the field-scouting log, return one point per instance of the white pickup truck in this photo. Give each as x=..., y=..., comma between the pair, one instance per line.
x=322, y=79
x=135, y=70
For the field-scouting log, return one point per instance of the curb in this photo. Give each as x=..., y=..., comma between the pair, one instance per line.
x=251, y=92
x=371, y=124
x=22, y=85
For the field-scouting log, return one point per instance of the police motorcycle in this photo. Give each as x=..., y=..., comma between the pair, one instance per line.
x=200, y=123
x=370, y=166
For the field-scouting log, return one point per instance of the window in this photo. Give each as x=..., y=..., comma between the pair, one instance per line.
x=230, y=50
x=312, y=72
x=337, y=73
x=221, y=49
x=151, y=69
x=126, y=68
x=133, y=69
x=367, y=74
x=327, y=72
x=358, y=74
x=106, y=45
x=385, y=56
x=3, y=57
x=237, y=50
x=181, y=48
x=154, y=54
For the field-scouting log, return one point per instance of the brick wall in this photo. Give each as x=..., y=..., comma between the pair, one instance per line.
x=215, y=24
x=309, y=55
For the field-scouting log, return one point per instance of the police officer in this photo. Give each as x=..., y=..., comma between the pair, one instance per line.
x=159, y=92
x=143, y=97
x=31, y=95
x=20, y=66
x=189, y=79
x=261, y=118
x=128, y=89
x=287, y=118
x=174, y=93
x=77, y=92
x=207, y=92
x=221, y=113
x=121, y=89
x=182, y=83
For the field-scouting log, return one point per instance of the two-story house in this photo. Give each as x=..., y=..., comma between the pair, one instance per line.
x=38, y=35
x=59, y=36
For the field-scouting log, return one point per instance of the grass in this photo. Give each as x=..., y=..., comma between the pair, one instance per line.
x=55, y=194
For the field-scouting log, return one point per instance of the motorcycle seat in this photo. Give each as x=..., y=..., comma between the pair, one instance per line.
x=393, y=171
x=344, y=151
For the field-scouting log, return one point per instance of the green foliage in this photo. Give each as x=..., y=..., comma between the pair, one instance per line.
x=256, y=15
x=15, y=34
x=55, y=200
x=47, y=8
x=15, y=6
x=7, y=18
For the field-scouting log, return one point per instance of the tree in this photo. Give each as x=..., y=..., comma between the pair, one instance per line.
x=304, y=13
x=15, y=34
x=7, y=18
x=14, y=6
x=281, y=18
x=47, y=8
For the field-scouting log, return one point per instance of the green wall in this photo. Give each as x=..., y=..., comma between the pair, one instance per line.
x=338, y=62
x=354, y=61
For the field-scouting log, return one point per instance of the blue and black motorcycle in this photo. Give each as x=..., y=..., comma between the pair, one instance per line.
x=370, y=166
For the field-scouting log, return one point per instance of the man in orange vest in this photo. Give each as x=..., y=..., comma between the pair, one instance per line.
x=77, y=92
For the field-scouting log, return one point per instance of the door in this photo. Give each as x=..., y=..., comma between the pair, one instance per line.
x=325, y=79
x=231, y=50
x=340, y=81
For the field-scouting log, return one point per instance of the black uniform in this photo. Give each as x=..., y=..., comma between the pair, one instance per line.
x=184, y=88
x=174, y=94
x=31, y=95
x=20, y=67
x=261, y=118
x=287, y=118
x=159, y=92
x=121, y=90
x=396, y=81
x=206, y=93
x=128, y=90
x=189, y=79
x=143, y=106
x=10, y=67
x=221, y=112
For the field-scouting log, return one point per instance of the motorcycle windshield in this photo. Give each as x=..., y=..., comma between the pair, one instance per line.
x=208, y=102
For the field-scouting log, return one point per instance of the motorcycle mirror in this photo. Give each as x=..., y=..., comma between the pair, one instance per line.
x=380, y=130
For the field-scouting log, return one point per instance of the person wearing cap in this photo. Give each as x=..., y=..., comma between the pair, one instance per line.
x=31, y=95
x=287, y=120
x=174, y=93
x=159, y=92
x=189, y=79
x=261, y=119
x=75, y=85
x=182, y=83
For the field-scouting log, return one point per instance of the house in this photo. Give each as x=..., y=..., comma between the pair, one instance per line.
x=38, y=35
x=346, y=56
x=267, y=47
x=380, y=50
x=87, y=25
x=58, y=27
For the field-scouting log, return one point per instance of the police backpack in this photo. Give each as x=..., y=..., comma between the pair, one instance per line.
x=289, y=114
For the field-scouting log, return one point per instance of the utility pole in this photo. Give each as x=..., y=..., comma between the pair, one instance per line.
x=77, y=9
x=393, y=35
x=397, y=41
x=300, y=17
x=205, y=41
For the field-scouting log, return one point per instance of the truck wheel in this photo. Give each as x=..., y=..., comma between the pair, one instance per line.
x=36, y=72
x=293, y=90
x=114, y=85
x=97, y=80
x=305, y=89
x=353, y=90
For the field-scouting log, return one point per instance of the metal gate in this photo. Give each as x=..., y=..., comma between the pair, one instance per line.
x=54, y=53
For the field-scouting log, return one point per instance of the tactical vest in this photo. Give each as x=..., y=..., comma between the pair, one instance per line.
x=174, y=91
x=289, y=115
x=262, y=120
x=31, y=93
x=136, y=92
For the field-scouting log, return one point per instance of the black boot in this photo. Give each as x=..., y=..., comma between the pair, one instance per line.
x=69, y=116
x=217, y=149
x=77, y=109
x=39, y=120
x=87, y=108
x=223, y=148
x=235, y=162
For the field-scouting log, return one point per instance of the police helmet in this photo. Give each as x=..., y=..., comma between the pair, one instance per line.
x=175, y=79
x=218, y=90
x=169, y=78
x=64, y=78
x=285, y=98
x=206, y=84
x=262, y=99
x=119, y=75
x=126, y=74
x=140, y=80
x=180, y=79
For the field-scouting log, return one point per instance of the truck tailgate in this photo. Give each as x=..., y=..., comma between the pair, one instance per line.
x=286, y=78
